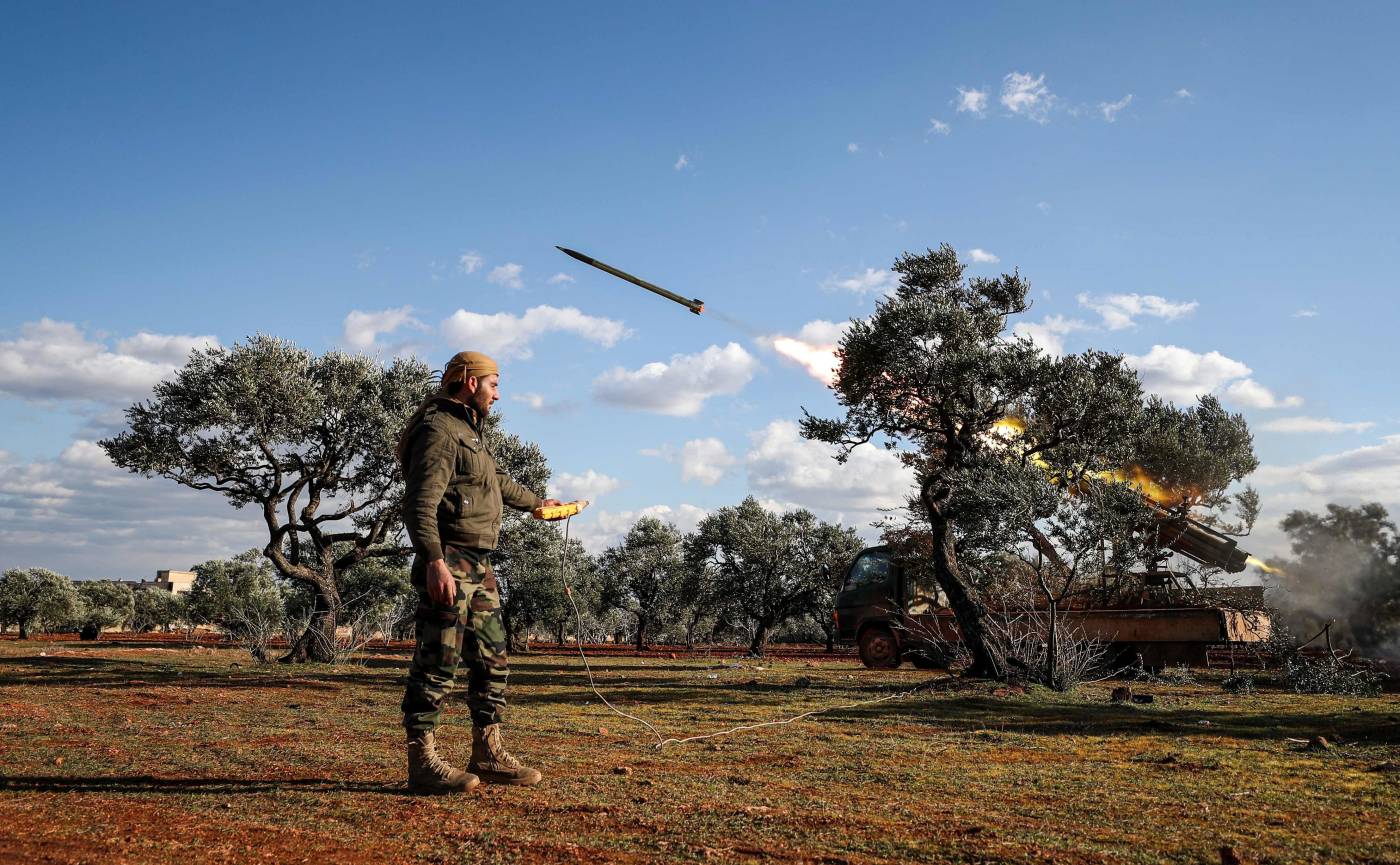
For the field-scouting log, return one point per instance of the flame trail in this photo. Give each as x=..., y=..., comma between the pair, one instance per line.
x=820, y=361
x=1010, y=427
x=1266, y=568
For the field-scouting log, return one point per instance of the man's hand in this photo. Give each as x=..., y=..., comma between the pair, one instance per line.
x=550, y=503
x=441, y=589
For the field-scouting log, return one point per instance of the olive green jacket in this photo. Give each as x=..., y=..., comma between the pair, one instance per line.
x=453, y=487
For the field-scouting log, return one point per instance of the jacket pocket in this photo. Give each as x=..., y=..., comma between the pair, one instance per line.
x=472, y=459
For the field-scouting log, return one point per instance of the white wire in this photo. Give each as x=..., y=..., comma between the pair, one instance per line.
x=662, y=742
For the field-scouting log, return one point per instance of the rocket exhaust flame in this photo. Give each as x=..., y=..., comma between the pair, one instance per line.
x=1010, y=428
x=820, y=361
x=1263, y=566
x=1173, y=527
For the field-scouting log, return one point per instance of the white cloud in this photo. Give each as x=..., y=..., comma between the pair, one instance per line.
x=510, y=335
x=470, y=261
x=1119, y=310
x=507, y=275
x=1110, y=109
x=1027, y=96
x=590, y=485
x=937, y=127
x=1369, y=473
x=1043, y=206
x=537, y=402
x=972, y=101
x=1306, y=312
x=1251, y=394
x=1181, y=375
x=705, y=460
x=604, y=529
x=681, y=386
x=1183, y=93
x=172, y=349
x=1303, y=424
x=982, y=256
x=783, y=465
x=1049, y=333
x=55, y=360
x=853, y=147
x=871, y=280
x=561, y=279
x=84, y=517
x=681, y=162
x=361, y=330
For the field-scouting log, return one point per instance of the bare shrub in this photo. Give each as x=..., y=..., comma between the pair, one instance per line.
x=254, y=627
x=1330, y=676
x=1022, y=640
x=1240, y=683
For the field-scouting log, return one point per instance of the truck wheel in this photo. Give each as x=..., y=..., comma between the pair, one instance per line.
x=878, y=648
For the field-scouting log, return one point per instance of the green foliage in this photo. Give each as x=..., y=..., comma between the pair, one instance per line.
x=644, y=575
x=229, y=593
x=156, y=608
x=372, y=587
x=769, y=566
x=309, y=440
x=30, y=596
x=527, y=562
x=107, y=604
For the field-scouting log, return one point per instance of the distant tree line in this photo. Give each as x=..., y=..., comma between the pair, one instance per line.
x=745, y=575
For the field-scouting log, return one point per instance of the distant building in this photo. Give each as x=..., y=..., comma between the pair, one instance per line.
x=174, y=582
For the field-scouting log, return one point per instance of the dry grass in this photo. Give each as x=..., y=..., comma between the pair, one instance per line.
x=147, y=753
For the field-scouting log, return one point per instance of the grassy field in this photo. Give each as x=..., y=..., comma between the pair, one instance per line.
x=124, y=752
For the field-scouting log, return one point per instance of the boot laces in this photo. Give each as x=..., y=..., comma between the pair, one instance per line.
x=433, y=759
x=497, y=750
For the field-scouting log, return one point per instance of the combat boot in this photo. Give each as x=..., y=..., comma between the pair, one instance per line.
x=429, y=773
x=494, y=763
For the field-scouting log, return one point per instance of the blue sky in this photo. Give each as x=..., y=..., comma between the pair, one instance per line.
x=175, y=173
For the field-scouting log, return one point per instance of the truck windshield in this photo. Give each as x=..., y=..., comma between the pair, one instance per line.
x=872, y=568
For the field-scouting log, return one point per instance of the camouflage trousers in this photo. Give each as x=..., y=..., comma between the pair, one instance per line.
x=468, y=631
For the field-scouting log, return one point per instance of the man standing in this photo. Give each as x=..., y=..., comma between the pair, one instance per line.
x=453, y=495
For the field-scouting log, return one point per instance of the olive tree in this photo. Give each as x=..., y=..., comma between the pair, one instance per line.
x=306, y=440
x=768, y=565
x=1016, y=452
x=30, y=596
x=156, y=608
x=643, y=575
x=108, y=604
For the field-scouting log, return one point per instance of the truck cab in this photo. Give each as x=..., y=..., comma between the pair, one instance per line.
x=873, y=610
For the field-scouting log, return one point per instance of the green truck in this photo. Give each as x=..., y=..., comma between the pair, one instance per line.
x=891, y=619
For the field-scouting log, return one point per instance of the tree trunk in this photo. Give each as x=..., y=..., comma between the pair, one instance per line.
x=23, y=629
x=1052, y=648
x=830, y=639
x=317, y=642
x=760, y=639
x=969, y=611
x=641, y=633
